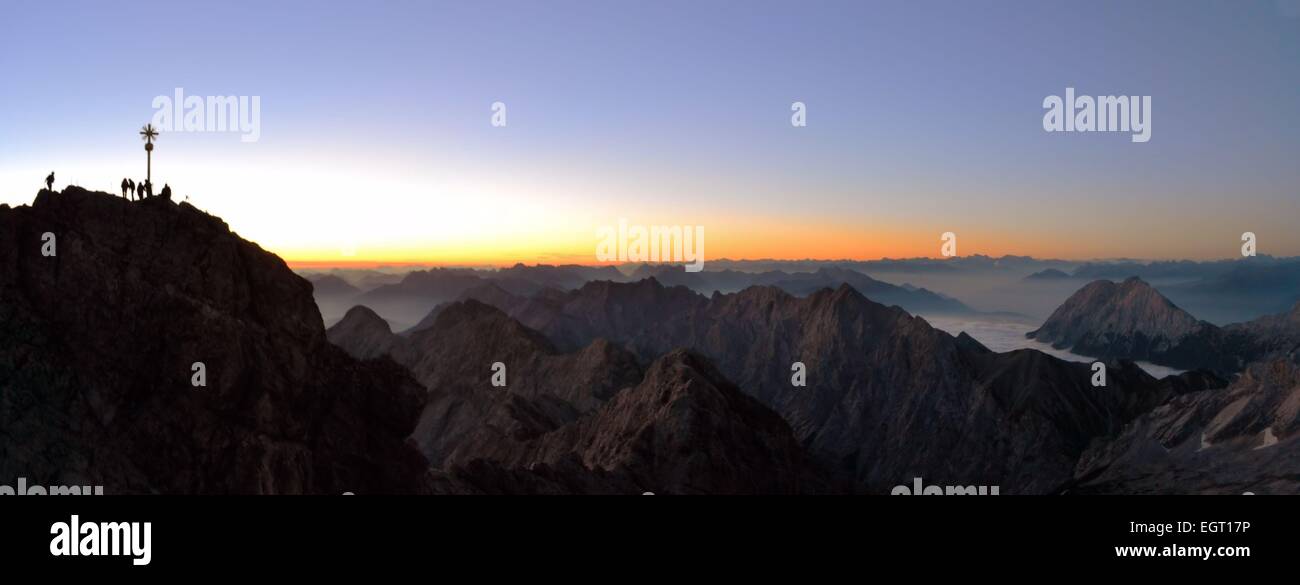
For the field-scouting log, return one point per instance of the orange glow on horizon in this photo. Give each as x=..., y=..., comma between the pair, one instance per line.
x=754, y=239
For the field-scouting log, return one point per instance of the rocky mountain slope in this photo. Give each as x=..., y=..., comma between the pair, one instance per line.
x=1271, y=335
x=682, y=430
x=591, y=418
x=1246, y=438
x=1132, y=320
x=97, y=345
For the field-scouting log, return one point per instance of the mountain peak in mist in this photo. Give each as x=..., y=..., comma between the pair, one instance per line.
x=1106, y=308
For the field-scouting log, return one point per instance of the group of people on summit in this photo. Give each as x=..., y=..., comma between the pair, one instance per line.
x=130, y=189
x=143, y=190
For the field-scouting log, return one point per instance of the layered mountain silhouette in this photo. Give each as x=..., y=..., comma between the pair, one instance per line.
x=1132, y=320
x=332, y=285
x=604, y=387
x=405, y=302
x=1249, y=289
x=911, y=299
x=98, y=345
x=888, y=397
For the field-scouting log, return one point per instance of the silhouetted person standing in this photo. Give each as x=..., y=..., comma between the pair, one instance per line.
x=167, y=192
x=124, y=186
x=139, y=191
x=130, y=188
x=49, y=182
x=148, y=188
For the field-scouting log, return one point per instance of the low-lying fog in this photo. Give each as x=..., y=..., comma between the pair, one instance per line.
x=1003, y=335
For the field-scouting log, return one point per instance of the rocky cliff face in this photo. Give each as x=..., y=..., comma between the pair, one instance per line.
x=97, y=345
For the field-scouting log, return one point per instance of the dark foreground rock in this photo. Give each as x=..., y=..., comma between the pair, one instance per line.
x=98, y=343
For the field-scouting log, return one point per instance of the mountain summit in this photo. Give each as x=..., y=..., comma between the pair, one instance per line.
x=1132, y=320
x=106, y=329
x=1104, y=313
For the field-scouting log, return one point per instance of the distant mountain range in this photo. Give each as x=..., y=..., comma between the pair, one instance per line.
x=1221, y=291
x=912, y=299
x=405, y=302
x=330, y=285
x=976, y=263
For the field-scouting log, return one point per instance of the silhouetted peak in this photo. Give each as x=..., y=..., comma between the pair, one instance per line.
x=760, y=293
x=845, y=289
x=841, y=295
x=468, y=310
x=332, y=285
x=362, y=317
x=965, y=341
x=472, y=321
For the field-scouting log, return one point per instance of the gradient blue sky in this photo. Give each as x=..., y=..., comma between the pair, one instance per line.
x=923, y=117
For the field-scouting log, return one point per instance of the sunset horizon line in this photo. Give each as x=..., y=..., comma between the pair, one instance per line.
x=307, y=264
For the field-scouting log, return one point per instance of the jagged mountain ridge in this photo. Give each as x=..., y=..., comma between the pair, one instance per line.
x=593, y=419
x=912, y=299
x=405, y=302
x=889, y=397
